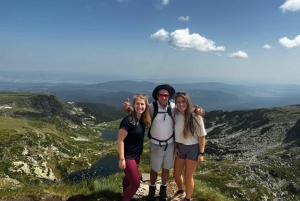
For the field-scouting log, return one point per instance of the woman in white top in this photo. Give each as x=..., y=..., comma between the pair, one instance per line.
x=189, y=144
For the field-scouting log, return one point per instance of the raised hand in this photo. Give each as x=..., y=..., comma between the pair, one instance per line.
x=198, y=110
x=126, y=106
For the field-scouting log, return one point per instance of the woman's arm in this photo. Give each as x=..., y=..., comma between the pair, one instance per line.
x=202, y=143
x=121, y=136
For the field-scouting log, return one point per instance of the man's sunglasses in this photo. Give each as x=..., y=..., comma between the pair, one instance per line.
x=163, y=95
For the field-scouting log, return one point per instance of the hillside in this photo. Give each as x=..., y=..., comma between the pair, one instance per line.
x=255, y=153
x=43, y=139
x=250, y=155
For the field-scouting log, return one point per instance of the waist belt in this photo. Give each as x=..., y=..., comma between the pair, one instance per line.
x=162, y=141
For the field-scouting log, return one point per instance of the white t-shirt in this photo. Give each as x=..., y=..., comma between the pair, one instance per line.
x=162, y=125
x=179, y=125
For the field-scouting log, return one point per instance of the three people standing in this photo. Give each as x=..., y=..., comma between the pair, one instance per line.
x=162, y=146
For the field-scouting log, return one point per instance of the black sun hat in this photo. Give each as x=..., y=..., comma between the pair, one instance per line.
x=167, y=87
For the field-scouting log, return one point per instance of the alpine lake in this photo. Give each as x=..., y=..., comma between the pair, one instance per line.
x=104, y=167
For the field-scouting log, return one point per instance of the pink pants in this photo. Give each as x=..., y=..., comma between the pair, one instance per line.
x=131, y=181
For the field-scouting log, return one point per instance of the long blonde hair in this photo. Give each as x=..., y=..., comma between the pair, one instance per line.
x=189, y=119
x=146, y=118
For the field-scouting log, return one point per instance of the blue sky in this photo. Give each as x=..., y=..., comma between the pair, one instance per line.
x=253, y=41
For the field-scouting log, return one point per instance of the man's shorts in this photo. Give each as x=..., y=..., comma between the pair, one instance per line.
x=190, y=152
x=161, y=158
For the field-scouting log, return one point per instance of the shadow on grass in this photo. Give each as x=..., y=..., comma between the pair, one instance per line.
x=105, y=195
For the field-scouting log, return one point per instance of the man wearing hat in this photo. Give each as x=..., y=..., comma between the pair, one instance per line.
x=161, y=138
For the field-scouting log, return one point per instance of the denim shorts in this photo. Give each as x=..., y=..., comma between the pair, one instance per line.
x=161, y=158
x=190, y=152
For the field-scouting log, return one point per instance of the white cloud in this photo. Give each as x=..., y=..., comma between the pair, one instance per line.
x=290, y=5
x=267, y=46
x=290, y=43
x=165, y=2
x=239, y=54
x=182, y=39
x=187, y=18
x=121, y=1
x=162, y=4
x=160, y=35
x=218, y=54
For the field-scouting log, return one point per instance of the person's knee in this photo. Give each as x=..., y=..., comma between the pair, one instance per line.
x=153, y=172
x=135, y=184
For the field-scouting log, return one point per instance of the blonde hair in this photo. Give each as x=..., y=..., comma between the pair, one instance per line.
x=189, y=119
x=146, y=118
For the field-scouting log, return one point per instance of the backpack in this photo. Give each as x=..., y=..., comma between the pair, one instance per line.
x=155, y=112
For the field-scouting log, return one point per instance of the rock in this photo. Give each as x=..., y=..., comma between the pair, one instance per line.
x=294, y=188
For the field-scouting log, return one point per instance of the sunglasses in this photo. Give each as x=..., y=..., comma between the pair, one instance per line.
x=181, y=93
x=163, y=95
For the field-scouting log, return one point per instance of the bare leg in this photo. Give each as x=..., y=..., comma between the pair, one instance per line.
x=190, y=169
x=153, y=177
x=178, y=168
x=164, y=176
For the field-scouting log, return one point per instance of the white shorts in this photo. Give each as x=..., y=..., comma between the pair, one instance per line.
x=161, y=158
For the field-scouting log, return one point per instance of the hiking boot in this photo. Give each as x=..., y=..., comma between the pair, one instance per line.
x=178, y=194
x=151, y=194
x=163, y=193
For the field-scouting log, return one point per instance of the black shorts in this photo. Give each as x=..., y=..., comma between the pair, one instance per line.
x=190, y=152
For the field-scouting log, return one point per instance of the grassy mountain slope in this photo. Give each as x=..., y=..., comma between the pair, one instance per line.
x=44, y=138
x=250, y=155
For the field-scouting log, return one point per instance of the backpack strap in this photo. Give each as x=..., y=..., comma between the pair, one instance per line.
x=170, y=112
x=155, y=112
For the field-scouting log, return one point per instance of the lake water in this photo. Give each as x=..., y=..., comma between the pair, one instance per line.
x=104, y=167
x=110, y=135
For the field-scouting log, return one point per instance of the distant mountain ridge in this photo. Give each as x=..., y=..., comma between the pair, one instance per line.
x=210, y=95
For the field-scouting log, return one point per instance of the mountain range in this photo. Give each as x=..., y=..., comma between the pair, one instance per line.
x=208, y=95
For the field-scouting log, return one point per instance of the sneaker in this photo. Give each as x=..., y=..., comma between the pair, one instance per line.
x=178, y=194
x=185, y=199
x=135, y=197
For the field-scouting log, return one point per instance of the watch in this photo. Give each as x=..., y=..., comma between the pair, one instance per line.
x=201, y=153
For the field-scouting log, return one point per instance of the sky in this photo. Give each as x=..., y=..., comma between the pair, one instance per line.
x=241, y=41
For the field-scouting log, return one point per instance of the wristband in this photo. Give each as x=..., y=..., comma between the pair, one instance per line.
x=201, y=153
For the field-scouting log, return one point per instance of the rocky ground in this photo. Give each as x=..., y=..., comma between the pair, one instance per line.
x=140, y=194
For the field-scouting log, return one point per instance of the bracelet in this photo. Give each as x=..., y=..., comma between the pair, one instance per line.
x=122, y=159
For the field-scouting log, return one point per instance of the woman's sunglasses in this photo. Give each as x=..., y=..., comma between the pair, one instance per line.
x=141, y=95
x=181, y=93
